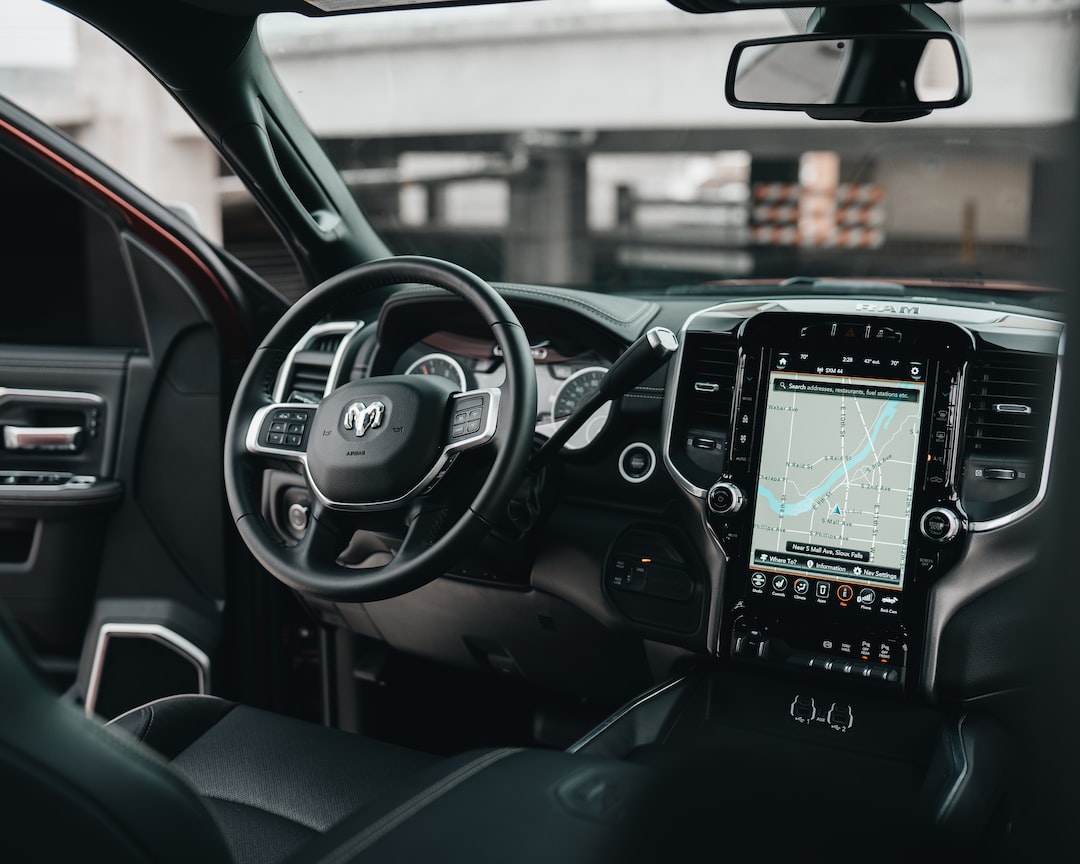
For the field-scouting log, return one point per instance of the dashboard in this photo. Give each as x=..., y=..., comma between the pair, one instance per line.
x=835, y=488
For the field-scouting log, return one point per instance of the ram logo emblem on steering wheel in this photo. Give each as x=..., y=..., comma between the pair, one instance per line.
x=362, y=417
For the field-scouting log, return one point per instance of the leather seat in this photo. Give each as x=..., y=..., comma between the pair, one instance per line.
x=272, y=782
x=219, y=782
x=228, y=783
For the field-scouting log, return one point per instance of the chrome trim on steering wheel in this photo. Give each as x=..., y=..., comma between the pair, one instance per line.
x=446, y=457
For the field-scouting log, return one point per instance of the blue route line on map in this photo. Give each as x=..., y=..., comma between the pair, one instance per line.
x=882, y=424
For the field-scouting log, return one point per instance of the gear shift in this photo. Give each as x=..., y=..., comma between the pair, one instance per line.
x=641, y=359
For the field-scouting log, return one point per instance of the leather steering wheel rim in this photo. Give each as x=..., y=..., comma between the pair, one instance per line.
x=309, y=566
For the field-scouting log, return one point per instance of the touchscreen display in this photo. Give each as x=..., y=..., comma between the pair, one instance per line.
x=835, y=487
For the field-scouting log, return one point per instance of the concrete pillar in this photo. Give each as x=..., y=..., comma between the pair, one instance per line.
x=547, y=239
x=436, y=203
x=1048, y=220
x=772, y=259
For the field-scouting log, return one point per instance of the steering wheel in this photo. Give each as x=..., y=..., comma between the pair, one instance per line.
x=372, y=450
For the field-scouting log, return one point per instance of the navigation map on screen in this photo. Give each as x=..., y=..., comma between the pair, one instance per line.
x=838, y=462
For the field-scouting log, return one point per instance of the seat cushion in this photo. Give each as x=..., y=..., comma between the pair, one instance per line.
x=73, y=791
x=273, y=782
x=492, y=807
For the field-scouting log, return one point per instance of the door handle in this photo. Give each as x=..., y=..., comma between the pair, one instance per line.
x=62, y=438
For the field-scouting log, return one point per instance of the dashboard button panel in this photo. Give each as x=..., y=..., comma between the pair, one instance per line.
x=653, y=578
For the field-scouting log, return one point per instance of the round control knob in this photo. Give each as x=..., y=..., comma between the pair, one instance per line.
x=939, y=524
x=725, y=498
x=298, y=516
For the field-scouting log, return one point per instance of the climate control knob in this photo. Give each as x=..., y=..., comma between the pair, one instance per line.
x=939, y=524
x=725, y=498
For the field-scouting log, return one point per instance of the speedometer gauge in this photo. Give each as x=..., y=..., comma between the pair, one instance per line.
x=442, y=365
x=575, y=390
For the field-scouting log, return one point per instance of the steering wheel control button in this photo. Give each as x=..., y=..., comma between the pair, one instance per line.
x=469, y=416
x=724, y=498
x=939, y=525
x=637, y=462
x=285, y=429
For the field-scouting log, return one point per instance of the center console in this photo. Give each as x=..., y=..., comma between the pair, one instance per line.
x=829, y=482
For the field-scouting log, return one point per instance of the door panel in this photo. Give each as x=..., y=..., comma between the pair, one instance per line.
x=123, y=334
x=74, y=391
x=58, y=431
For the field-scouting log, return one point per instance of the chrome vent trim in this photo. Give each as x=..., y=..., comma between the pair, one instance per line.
x=311, y=367
x=707, y=384
x=1052, y=390
x=703, y=385
x=1010, y=397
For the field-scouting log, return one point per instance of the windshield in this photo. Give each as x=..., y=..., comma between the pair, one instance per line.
x=588, y=143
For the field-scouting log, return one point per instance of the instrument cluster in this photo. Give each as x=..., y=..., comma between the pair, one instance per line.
x=563, y=380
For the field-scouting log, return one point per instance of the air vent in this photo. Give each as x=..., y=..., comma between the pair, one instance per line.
x=708, y=380
x=703, y=412
x=306, y=370
x=326, y=344
x=1009, y=401
x=310, y=369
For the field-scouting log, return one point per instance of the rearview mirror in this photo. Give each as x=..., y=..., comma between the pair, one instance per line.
x=859, y=77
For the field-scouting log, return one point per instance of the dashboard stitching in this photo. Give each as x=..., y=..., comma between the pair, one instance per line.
x=515, y=289
x=645, y=309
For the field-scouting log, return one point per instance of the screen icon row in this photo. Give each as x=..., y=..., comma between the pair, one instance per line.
x=823, y=590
